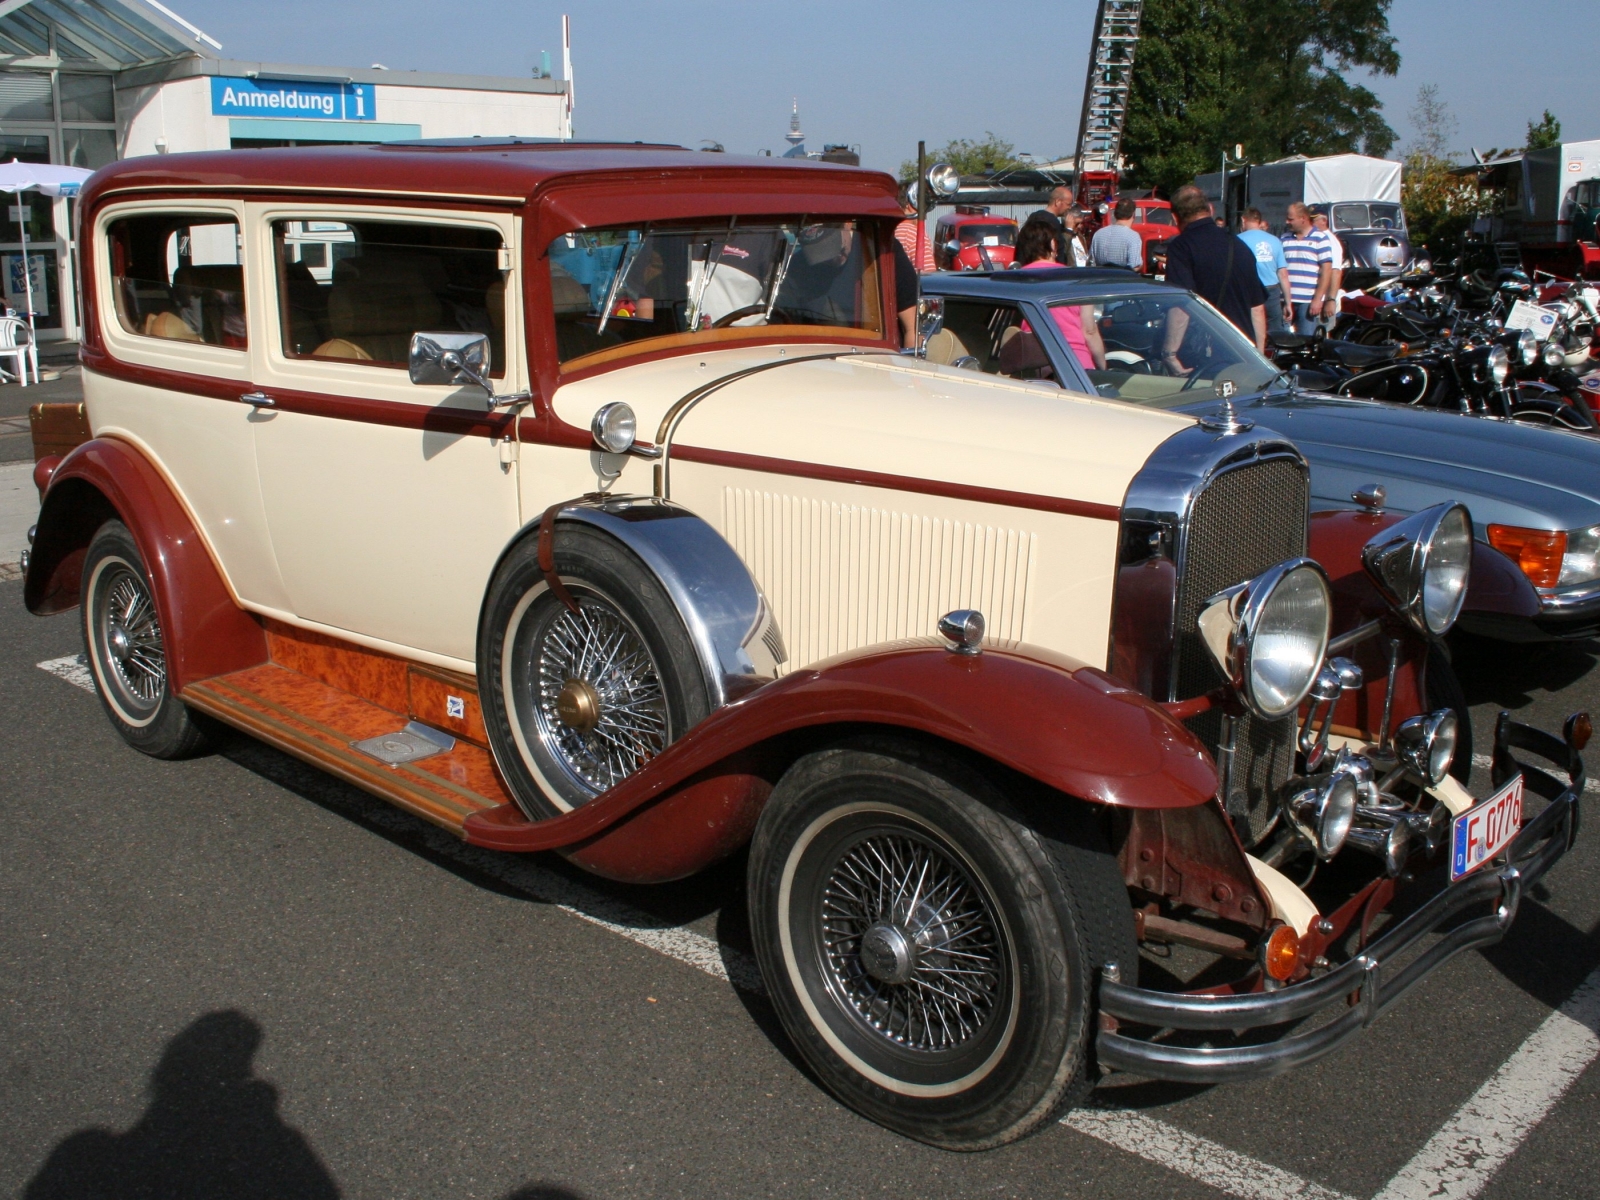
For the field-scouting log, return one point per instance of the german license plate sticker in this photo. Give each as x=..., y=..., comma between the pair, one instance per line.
x=1484, y=830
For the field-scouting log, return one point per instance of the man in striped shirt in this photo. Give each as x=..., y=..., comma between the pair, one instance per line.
x=1310, y=262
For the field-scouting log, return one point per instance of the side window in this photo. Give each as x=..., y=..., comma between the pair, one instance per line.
x=178, y=276
x=992, y=338
x=356, y=291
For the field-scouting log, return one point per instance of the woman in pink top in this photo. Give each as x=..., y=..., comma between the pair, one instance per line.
x=1036, y=247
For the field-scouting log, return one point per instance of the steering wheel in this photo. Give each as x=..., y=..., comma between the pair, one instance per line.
x=1199, y=374
x=738, y=314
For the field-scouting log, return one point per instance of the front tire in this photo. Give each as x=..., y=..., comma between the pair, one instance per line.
x=576, y=702
x=127, y=652
x=930, y=954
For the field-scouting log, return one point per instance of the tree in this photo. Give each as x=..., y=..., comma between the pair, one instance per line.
x=1267, y=74
x=1439, y=204
x=1545, y=134
x=992, y=153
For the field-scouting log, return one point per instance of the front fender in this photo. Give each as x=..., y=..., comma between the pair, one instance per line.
x=206, y=633
x=1067, y=725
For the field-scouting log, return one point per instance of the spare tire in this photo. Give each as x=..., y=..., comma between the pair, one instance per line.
x=574, y=702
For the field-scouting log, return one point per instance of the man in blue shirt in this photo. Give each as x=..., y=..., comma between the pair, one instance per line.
x=1117, y=244
x=1270, y=266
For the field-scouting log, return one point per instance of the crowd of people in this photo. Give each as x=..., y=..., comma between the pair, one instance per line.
x=1270, y=285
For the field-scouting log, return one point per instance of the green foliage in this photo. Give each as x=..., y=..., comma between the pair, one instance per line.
x=1439, y=206
x=1267, y=74
x=1545, y=133
x=991, y=153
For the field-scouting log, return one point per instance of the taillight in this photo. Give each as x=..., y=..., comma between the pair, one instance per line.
x=1537, y=551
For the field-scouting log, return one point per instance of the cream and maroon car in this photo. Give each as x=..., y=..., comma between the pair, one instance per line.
x=584, y=501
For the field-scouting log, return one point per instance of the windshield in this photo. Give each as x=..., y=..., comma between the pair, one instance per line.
x=989, y=235
x=1138, y=333
x=1156, y=216
x=1387, y=216
x=717, y=282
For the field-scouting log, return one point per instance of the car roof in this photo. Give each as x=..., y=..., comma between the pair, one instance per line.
x=1043, y=284
x=495, y=169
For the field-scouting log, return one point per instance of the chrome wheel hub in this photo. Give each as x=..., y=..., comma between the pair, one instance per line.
x=121, y=645
x=134, y=653
x=911, y=944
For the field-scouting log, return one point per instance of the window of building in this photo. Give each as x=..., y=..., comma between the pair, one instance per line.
x=721, y=280
x=87, y=98
x=26, y=96
x=88, y=148
x=356, y=291
x=178, y=276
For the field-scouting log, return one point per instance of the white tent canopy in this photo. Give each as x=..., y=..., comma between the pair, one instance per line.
x=40, y=177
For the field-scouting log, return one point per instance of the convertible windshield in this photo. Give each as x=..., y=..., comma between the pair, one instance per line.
x=725, y=281
x=1167, y=349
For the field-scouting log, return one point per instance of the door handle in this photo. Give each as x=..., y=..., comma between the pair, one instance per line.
x=258, y=400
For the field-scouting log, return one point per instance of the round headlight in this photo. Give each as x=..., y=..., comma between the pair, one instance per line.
x=1499, y=364
x=1554, y=355
x=614, y=427
x=1446, y=564
x=944, y=179
x=1283, y=633
x=1527, y=347
x=1421, y=565
x=1427, y=744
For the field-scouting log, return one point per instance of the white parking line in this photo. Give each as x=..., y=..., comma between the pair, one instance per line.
x=74, y=668
x=1484, y=761
x=1197, y=1157
x=1461, y=1159
x=1458, y=1162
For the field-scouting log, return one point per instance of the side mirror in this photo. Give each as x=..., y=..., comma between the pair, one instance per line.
x=952, y=247
x=450, y=358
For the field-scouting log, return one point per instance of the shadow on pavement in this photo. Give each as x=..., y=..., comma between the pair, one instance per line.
x=212, y=1132
x=1510, y=674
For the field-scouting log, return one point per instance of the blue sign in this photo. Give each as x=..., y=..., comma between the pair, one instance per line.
x=299, y=101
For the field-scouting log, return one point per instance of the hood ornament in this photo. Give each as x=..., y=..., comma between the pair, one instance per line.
x=1226, y=419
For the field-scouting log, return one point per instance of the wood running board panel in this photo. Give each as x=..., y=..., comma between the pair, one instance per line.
x=317, y=723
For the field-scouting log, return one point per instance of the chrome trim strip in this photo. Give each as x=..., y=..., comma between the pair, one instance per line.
x=1578, y=595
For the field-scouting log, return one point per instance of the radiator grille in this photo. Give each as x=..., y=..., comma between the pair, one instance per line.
x=1248, y=519
x=840, y=577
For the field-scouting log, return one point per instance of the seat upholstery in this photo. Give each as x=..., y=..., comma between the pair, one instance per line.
x=169, y=325
x=945, y=347
x=377, y=302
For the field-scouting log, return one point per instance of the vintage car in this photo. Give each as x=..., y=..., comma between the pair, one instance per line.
x=591, y=507
x=1534, y=493
x=971, y=239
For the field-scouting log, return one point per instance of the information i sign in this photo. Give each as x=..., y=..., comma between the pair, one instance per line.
x=232, y=97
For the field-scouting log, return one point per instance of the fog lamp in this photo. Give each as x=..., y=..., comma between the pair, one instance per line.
x=614, y=427
x=1427, y=744
x=1280, y=953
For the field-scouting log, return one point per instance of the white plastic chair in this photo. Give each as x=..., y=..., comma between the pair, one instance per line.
x=16, y=342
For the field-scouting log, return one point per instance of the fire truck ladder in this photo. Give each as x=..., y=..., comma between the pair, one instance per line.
x=1105, y=93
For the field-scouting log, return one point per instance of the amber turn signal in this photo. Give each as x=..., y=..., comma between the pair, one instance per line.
x=1579, y=729
x=1282, y=954
x=1537, y=551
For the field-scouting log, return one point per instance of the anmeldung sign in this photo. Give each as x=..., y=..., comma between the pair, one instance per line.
x=232, y=97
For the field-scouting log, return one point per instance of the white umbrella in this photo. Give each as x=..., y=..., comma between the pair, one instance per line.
x=48, y=178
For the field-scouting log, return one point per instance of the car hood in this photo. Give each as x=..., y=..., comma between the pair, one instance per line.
x=1504, y=472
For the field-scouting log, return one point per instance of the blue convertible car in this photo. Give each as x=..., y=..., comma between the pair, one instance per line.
x=1534, y=493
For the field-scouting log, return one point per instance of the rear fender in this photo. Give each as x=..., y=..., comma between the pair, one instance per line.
x=206, y=633
x=1068, y=726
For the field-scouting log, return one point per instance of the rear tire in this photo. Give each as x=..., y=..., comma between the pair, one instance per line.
x=931, y=955
x=126, y=648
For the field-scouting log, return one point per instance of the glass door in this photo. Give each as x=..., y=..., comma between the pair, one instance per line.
x=36, y=213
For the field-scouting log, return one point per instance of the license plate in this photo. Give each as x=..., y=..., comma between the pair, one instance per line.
x=1484, y=830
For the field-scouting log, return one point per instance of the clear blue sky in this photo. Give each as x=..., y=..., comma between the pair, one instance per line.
x=885, y=75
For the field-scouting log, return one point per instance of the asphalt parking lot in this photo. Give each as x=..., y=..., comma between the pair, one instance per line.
x=235, y=976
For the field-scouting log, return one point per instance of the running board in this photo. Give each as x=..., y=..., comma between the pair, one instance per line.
x=320, y=724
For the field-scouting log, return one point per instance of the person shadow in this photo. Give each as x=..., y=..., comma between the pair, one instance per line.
x=212, y=1132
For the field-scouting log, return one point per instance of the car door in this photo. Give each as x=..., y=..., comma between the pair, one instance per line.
x=178, y=328
x=388, y=503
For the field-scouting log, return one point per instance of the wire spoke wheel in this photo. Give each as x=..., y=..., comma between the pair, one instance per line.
x=600, y=708
x=910, y=945
x=129, y=643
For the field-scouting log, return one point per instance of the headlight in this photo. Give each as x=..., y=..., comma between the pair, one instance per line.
x=1421, y=565
x=614, y=427
x=1554, y=354
x=1581, y=563
x=1427, y=744
x=1527, y=347
x=1268, y=635
x=1499, y=364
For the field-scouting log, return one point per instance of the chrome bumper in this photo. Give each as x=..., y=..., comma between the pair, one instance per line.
x=1362, y=987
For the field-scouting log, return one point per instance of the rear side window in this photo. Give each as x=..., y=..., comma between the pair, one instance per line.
x=177, y=276
x=355, y=291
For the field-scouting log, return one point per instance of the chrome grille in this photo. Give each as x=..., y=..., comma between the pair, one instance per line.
x=1247, y=519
